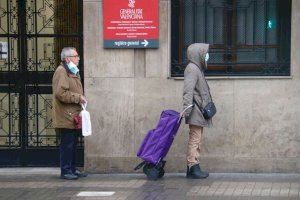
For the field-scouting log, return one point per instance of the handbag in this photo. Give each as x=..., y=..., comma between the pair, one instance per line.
x=78, y=122
x=208, y=111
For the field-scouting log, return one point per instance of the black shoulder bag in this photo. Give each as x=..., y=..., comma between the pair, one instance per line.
x=208, y=111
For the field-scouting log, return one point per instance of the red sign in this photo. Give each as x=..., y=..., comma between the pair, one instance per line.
x=130, y=23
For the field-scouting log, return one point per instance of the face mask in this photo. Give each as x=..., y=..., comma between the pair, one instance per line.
x=206, y=57
x=72, y=67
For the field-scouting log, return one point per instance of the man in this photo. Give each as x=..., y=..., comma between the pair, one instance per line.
x=67, y=97
x=195, y=92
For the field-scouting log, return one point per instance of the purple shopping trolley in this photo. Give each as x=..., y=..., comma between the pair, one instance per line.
x=157, y=143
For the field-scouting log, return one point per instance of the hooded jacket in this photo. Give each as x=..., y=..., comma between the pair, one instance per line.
x=195, y=85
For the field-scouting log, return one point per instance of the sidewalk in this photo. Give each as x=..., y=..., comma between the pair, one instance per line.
x=43, y=183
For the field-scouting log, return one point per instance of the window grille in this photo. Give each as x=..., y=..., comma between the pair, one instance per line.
x=246, y=37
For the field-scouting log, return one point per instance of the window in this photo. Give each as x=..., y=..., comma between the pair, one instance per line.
x=246, y=37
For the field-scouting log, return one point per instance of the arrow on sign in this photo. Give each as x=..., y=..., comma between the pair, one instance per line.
x=145, y=43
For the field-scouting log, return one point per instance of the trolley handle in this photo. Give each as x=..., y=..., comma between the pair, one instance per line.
x=181, y=114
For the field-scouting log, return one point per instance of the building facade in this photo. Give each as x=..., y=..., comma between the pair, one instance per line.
x=253, y=74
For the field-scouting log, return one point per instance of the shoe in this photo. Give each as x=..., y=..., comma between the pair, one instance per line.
x=69, y=176
x=80, y=174
x=195, y=172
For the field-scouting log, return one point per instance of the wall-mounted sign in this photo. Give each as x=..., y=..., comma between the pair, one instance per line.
x=271, y=24
x=130, y=23
x=3, y=50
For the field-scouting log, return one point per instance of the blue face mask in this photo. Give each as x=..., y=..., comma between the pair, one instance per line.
x=72, y=67
x=206, y=57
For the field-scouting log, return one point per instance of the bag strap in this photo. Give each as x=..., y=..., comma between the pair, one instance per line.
x=83, y=105
x=206, y=85
x=201, y=109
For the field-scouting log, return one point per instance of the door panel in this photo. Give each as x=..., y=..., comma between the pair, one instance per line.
x=9, y=120
x=9, y=61
x=40, y=130
x=34, y=32
x=41, y=54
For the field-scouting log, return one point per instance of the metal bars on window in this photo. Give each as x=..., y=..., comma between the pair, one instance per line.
x=246, y=37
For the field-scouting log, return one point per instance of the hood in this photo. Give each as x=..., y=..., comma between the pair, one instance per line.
x=196, y=54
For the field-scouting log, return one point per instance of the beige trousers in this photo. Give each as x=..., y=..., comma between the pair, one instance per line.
x=194, y=145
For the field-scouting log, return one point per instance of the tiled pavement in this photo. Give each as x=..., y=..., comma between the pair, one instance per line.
x=43, y=183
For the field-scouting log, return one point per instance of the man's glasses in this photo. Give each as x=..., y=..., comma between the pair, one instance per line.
x=75, y=56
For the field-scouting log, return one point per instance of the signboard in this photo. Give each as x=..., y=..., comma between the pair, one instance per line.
x=3, y=50
x=271, y=24
x=130, y=23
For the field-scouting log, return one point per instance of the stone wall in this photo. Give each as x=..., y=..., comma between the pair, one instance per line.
x=256, y=129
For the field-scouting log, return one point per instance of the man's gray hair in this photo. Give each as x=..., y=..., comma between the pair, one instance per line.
x=66, y=51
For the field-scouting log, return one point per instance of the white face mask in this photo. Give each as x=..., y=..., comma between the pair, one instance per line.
x=206, y=57
x=72, y=67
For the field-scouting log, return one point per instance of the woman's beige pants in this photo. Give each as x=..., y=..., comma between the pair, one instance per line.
x=194, y=145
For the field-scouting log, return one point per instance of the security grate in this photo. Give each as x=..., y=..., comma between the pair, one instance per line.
x=246, y=37
x=33, y=33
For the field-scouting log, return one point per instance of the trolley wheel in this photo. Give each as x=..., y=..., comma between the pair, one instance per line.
x=153, y=174
x=161, y=173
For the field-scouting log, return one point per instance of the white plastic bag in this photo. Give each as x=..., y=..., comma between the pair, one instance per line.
x=86, y=121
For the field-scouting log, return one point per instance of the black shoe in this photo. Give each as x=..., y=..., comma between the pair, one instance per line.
x=69, y=176
x=80, y=174
x=195, y=172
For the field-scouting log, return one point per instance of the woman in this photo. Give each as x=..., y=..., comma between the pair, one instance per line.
x=196, y=92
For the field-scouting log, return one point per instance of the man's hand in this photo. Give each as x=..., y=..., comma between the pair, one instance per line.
x=82, y=99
